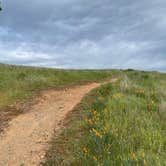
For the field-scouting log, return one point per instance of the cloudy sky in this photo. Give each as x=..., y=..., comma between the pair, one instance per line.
x=84, y=33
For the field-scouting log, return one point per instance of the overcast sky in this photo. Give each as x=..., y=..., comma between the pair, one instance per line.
x=84, y=33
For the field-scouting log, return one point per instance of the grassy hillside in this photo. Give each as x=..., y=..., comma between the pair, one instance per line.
x=121, y=124
x=117, y=124
x=19, y=84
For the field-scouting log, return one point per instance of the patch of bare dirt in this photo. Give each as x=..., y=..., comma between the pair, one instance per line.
x=25, y=140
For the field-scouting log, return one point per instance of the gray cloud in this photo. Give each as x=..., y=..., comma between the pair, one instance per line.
x=84, y=34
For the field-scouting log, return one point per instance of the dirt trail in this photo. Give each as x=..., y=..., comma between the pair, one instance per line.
x=26, y=139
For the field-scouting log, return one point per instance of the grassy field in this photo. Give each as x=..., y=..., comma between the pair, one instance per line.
x=121, y=124
x=19, y=84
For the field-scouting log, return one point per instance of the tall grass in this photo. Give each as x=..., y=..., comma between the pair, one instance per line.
x=17, y=84
x=121, y=124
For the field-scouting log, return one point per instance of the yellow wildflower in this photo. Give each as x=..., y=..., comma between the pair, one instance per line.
x=105, y=129
x=85, y=150
x=94, y=113
x=94, y=158
x=93, y=130
x=145, y=162
x=90, y=121
x=133, y=155
x=97, y=133
x=143, y=155
x=151, y=102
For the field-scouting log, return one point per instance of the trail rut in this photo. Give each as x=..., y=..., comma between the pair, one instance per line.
x=26, y=139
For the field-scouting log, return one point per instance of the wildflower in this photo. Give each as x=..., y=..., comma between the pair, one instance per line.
x=105, y=129
x=143, y=155
x=94, y=113
x=94, y=158
x=133, y=155
x=151, y=102
x=85, y=150
x=145, y=162
x=89, y=121
x=93, y=121
x=97, y=133
x=94, y=130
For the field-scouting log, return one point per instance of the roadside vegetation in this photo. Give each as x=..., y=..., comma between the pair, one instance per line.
x=120, y=124
x=19, y=84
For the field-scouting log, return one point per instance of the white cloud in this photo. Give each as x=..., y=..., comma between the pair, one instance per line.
x=84, y=34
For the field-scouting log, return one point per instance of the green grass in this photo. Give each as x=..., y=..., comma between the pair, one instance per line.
x=121, y=124
x=18, y=84
x=117, y=124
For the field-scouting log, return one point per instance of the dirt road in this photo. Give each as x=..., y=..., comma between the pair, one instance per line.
x=26, y=139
